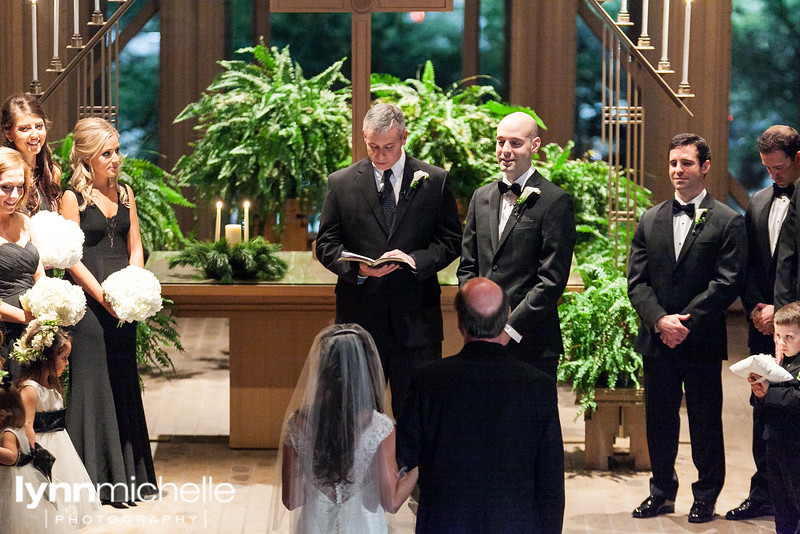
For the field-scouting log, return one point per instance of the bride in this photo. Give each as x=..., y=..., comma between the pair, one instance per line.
x=337, y=465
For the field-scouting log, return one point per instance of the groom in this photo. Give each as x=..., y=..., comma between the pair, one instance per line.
x=391, y=205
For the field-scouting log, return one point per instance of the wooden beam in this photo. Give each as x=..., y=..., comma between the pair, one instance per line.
x=261, y=10
x=470, y=50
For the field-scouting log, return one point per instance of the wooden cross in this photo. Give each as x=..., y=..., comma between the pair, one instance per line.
x=361, y=43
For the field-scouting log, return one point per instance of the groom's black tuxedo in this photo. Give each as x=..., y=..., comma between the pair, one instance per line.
x=402, y=310
x=703, y=281
x=530, y=261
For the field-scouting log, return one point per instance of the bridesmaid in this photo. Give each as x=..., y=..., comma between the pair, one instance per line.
x=105, y=415
x=20, y=266
x=25, y=128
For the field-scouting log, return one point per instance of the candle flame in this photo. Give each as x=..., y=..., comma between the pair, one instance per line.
x=219, y=203
x=688, y=2
x=246, y=204
x=33, y=2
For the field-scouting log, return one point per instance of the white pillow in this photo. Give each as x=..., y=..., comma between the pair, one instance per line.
x=763, y=365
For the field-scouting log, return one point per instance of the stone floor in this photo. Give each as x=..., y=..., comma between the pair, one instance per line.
x=188, y=420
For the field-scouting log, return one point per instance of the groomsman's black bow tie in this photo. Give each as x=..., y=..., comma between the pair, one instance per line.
x=677, y=207
x=505, y=188
x=778, y=191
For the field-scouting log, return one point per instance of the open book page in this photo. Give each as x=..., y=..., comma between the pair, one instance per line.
x=358, y=258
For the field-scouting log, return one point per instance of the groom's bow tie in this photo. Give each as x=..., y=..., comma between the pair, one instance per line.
x=505, y=188
x=778, y=191
x=677, y=207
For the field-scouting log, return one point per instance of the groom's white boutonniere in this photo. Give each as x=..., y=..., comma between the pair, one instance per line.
x=523, y=197
x=418, y=177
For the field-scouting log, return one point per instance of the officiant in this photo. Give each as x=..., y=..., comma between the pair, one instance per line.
x=391, y=204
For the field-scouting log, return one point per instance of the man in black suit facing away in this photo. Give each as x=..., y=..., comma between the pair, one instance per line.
x=787, y=275
x=391, y=205
x=519, y=233
x=687, y=265
x=764, y=219
x=483, y=428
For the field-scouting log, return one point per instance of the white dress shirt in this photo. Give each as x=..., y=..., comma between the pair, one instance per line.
x=682, y=223
x=396, y=179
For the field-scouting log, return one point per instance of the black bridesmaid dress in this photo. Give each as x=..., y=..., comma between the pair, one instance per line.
x=105, y=415
x=17, y=267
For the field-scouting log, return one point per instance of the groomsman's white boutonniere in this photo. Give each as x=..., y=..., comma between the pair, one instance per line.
x=699, y=219
x=523, y=197
x=419, y=176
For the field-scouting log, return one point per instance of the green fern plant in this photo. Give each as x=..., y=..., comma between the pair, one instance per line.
x=269, y=134
x=153, y=336
x=453, y=128
x=252, y=260
x=599, y=327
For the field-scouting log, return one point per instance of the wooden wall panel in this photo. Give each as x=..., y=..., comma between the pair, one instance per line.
x=540, y=62
x=192, y=41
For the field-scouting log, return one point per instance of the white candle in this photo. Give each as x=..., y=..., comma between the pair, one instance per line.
x=686, y=31
x=665, y=33
x=233, y=233
x=645, y=9
x=97, y=5
x=55, y=28
x=624, y=7
x=33, y=39
x=247, y=220
x=75, y=19
x=218, y=226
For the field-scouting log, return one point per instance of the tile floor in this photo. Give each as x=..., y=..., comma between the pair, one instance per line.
x=188, y=421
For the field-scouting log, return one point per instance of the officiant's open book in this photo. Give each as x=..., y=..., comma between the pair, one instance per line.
x=358, y=258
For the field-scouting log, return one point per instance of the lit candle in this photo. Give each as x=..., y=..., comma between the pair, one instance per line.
x=233, y=233
x=247, y=220
x=218, y=226
x=645, y=9
x=665, y=33
x=75, y=19
x=55, y=29
x=686, y=29
x=33, y=39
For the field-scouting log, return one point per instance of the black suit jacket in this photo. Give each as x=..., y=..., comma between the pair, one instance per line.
x=761, y=265
x=787, y=271
x=426, y=226
x=483, y=428
x=530, y=261
x=781, y=406
x=705, y=279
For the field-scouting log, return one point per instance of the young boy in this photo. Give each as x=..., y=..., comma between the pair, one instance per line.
x=780, y=404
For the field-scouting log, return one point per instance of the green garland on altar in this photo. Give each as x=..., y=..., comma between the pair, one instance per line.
x=255, y=259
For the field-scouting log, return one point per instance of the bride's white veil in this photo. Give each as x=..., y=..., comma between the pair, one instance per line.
x=340, y=388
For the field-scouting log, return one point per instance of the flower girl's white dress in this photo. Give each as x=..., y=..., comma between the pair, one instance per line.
x=15, y=516
x=83, y=504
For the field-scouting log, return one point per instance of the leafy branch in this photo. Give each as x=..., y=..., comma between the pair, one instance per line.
x=252, y=260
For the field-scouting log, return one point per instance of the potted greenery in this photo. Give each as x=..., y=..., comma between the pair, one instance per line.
x=453, y=128
x=269, y=134
x=599, y=324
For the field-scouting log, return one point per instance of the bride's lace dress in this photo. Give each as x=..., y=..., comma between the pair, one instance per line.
x=344, y=508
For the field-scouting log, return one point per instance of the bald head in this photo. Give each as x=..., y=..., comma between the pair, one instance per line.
x=520, y=122
x=517, y=140
x=482, y=309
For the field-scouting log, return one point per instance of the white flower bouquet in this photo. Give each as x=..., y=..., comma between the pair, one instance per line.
x=53, y=299
x=58, y=240
x=134, y=293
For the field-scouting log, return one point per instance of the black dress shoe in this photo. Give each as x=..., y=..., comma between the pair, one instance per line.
x=749, y=510
x=653, y=506
x=701, y=512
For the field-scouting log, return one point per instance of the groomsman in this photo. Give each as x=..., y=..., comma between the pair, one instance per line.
x=788, y=268
x=764, y=218
x=519, y=233
x=391, y=205
x=687, y=265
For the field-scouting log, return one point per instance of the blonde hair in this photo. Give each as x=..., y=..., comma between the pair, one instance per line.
x=11, y=159
x=89, y=136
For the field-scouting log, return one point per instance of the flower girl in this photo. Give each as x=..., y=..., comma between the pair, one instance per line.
x=24, y=515
x=43, y=352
